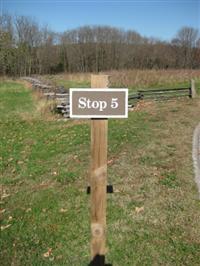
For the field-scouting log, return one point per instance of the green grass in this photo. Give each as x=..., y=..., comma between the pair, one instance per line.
x=73, y=84
x=79, y=80
x=197, y=85
x=45, y=164
x=167, y=85
x=68, y=81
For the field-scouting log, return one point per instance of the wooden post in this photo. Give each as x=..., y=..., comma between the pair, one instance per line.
x=193, y=89
x=98, y=179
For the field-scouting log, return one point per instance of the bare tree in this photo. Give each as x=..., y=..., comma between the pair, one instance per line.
x=6, y=44
x=186, y=39
x=27, y=48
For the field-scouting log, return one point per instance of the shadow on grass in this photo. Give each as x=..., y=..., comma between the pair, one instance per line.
x=99, y=260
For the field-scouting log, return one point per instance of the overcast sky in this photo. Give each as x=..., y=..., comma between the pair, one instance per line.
x=159, y=19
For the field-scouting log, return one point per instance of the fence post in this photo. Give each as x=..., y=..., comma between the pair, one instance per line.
x=193, y=89
x=98, y=180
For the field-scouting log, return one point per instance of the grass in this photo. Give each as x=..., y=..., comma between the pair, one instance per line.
x=144, y=79
x=67, y=81
x=132, y=79
x=44, y=165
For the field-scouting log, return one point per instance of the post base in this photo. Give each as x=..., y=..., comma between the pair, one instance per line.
x=109, y=189
x=99, y=260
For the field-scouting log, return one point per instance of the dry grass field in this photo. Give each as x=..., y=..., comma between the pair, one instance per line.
x=133, y=79
x=153, y=78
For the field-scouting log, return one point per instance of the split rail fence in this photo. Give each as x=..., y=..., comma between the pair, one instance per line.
x=61, y=95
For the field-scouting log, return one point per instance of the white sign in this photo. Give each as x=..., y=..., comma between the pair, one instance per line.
x=98, y=103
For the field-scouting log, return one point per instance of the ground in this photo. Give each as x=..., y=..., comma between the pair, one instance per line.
x=153, y=214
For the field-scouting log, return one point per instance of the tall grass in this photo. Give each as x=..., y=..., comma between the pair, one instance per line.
x=133, y=79
x=152, y=78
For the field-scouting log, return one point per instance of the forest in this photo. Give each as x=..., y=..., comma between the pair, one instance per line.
x=28, y=48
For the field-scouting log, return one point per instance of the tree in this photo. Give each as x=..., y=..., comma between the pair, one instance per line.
x=6, y=44
x=26, y=48
x=186, y=40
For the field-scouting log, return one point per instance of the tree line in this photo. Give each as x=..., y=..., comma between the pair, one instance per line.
x=27, y=48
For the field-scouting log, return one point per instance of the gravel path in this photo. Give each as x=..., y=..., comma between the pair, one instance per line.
x=196, y=156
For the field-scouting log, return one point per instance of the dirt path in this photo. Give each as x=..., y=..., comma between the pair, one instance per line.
x=196, y=155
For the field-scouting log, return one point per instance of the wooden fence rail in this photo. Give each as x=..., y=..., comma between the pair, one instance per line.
x=61, y=95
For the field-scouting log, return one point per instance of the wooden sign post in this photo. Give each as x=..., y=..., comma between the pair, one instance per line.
x=193, y=89
x=98, y=179
x=98, y=104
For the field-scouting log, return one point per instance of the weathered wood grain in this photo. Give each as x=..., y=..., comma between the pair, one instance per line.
x=98, y=176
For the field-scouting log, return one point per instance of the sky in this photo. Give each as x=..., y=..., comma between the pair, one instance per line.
x=151, y=18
